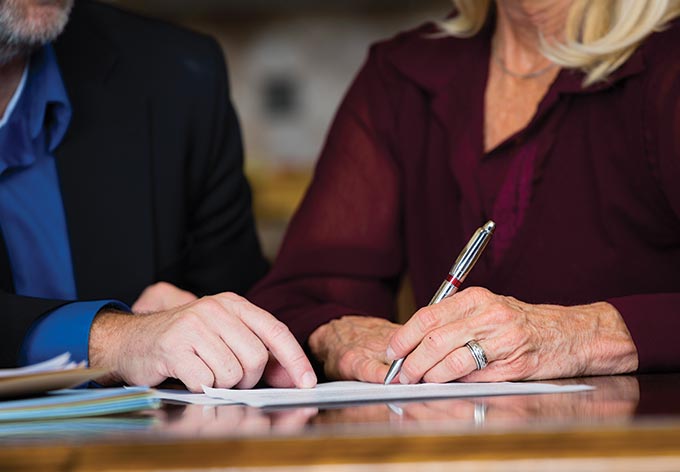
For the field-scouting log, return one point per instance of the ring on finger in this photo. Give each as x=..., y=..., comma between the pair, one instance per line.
x=477, y=353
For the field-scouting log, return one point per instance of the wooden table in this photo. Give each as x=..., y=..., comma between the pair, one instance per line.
x=627, y=423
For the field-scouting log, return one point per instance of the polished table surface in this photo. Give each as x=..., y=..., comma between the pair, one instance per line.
x=626, y=423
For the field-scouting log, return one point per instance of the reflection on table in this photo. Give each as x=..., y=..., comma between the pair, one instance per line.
x=614, y=400
x=637, y=416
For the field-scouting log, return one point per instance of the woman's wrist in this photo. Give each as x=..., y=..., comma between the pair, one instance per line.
x=609, y=347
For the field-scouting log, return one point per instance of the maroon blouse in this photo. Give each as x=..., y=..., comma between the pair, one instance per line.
x=586, y=198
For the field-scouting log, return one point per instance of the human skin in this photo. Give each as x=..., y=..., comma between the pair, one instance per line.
x=220, y=341
x=521, y=341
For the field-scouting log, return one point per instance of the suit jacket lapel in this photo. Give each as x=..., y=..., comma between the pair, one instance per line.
x=104, y=168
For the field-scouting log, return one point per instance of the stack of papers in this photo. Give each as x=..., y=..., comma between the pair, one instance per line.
x=78, y=403
x=54, y=376
x=57, y=373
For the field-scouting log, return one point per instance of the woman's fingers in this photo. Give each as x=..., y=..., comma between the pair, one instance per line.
x=440, y=346
x=161, y=296
x=430, y=318
x=501, y=326
x=458, y=363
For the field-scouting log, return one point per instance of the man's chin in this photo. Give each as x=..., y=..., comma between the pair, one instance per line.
x=26, y=28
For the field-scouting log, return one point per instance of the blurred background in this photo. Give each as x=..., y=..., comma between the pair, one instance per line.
x=290, y=63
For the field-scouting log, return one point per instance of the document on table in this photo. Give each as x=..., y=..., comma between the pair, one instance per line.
x=56, y=373
x=78, y=403
x=349, y=392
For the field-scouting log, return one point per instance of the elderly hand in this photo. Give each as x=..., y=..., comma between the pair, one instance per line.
x=161, y=296
x=521, y=341
x=220, y=341
x=353, y=347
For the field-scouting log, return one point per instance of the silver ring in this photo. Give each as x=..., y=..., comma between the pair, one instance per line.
x=479, y=414
x=478, y=353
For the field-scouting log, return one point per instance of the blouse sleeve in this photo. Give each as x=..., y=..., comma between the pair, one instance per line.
x=654, y=319
x=342, y=253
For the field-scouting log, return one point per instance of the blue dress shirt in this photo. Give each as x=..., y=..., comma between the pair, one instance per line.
x=32, y=215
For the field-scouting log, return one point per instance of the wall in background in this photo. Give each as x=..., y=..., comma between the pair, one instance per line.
x=290, y=64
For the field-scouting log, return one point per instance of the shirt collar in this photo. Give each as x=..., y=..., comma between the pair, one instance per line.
x=47, y=103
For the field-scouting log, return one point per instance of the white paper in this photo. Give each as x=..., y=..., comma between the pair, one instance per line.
x=185, y=396
x=346, y=392
x=61, y=362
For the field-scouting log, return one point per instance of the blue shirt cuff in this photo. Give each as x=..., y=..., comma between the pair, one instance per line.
x=66, y=329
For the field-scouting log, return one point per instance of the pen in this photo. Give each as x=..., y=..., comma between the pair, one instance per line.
x=460, y=269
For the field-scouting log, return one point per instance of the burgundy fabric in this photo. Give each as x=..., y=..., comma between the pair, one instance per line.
x=586, y=198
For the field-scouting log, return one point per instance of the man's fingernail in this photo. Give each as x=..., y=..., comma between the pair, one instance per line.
x=390, y=354
x=308, y=380
x=403, y=379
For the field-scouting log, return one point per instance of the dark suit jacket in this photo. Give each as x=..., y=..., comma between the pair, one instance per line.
x=150, y=169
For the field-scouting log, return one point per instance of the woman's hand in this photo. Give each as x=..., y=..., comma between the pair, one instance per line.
x=521, y=341
x=161, y=296
x=353, y=347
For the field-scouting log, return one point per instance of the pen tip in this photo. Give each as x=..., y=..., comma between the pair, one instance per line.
x=490, y=226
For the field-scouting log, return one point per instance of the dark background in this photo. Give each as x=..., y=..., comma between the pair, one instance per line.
x=290, y=63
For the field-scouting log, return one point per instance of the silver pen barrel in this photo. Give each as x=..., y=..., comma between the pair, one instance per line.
x=470, y=254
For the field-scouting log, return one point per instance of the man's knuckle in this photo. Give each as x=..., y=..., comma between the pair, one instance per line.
x=166, y=345
x=256, y=360
x=189, y=321
x=279, y=331
x=230, y=375
x=231, y=297
x=298, y=359
x=209, y=305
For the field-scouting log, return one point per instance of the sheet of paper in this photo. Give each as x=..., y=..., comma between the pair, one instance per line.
x=184, y=396
x=61, y=362
x=347, y=392
x=58, y=372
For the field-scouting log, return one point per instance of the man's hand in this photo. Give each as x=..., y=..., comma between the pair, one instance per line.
x=161, y=296
x=353, y=347
x=220, y=341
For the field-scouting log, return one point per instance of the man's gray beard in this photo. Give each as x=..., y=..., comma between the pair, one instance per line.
x=20, y=37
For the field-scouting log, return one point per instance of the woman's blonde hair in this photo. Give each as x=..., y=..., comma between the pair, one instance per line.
x=600, y=35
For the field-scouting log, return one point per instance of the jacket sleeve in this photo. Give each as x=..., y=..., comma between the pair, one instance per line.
x=18, y=315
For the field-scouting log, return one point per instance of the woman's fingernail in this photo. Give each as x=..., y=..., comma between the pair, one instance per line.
x=308, y=380
x=390, y=354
